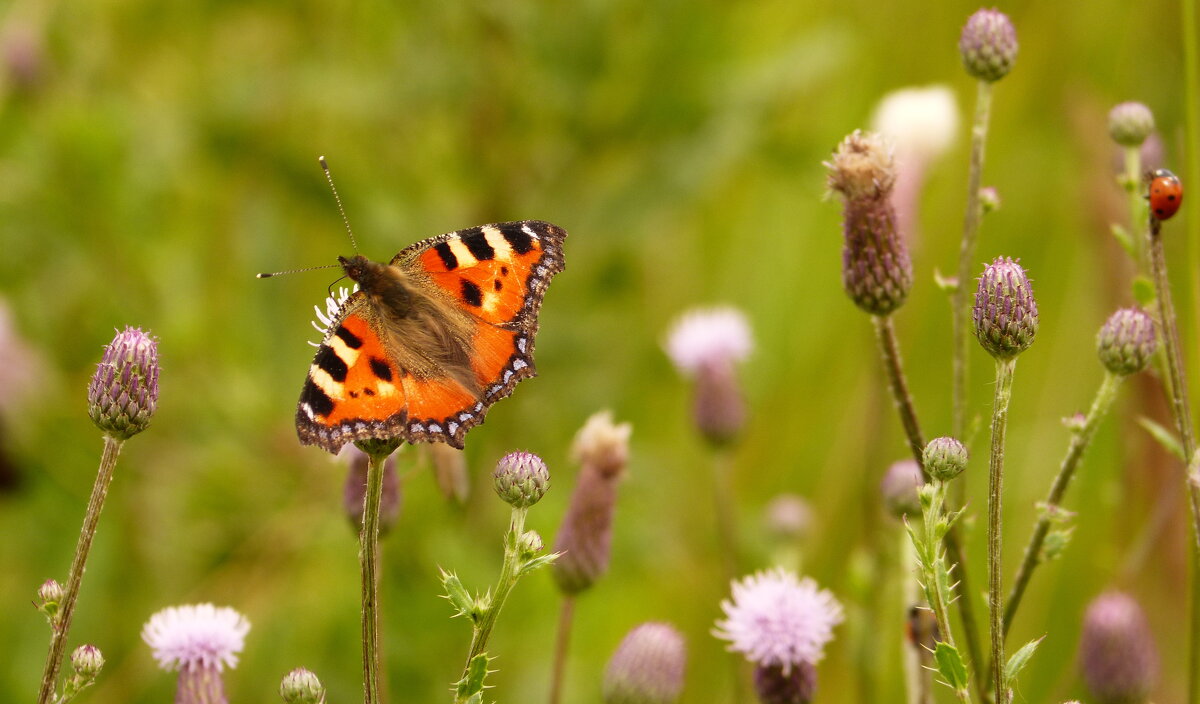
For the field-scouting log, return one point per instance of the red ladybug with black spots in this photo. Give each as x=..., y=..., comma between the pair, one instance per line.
x=1166, y=194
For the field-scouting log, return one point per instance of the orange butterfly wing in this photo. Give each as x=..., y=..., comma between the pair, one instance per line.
x=498, y=274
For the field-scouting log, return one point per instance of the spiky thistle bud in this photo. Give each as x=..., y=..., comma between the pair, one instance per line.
x=1127, y=342
x=585, y=536
x=945, y=458
x=899, y=488
x=988, y=45
x=301, y=686
x=87, y=661
x=775, y=684
x=49, y=597
x=521, y=479
x=123, y=392
x=1117, y=656
x=876, y=269
x=1129, y=124
x=647, y=667
x=354, y=492
x=1005, y=314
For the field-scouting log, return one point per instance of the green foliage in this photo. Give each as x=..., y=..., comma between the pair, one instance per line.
x=950, y=666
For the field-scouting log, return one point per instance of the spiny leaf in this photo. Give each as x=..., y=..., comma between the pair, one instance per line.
x=1019, y=660
x=950, y=665
x=1165, y=437
x=457, y=594
x=471, y=684
x=537, y=562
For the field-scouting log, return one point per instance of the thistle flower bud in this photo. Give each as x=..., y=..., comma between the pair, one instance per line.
x=1127, y=342
x=354, y=491
x=647, y=667
x=988, y=45
x=779, y=685
x=876, y=269
x=706, y=345
x=521, y=479
x=530, y=543
x=1129, y=124
x=87, y=661
x=301, y=686
x=1005, y=314
x=123, y=392
x=989, y=199
x=899, y=488
x=945, y=458
x=788, y=517
x=585, y=536
x=1117, y=656
x=49, y=596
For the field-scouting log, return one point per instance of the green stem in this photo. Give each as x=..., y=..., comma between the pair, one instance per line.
x=1131, y=181
x=1183, y=422
x=1004, y=379
x=966, y=256
x=62, y=625
x=508, y=579
x=894, y=367
x=1080, y=439
x=562, y=644
x=723, y=505
x=369, y=564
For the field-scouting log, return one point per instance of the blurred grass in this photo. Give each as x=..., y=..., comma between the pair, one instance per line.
x=161, y=154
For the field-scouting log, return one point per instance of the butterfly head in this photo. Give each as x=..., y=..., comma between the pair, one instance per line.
x=357, y=267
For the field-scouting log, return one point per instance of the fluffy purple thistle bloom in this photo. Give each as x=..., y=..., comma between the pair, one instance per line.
x=199, y=641
x=776, y=619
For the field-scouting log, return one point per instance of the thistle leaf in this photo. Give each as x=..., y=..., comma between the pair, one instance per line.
x=1019, y=660
x=470, y=687
x=1165, y=437
x=950, y=665
x=457, y=594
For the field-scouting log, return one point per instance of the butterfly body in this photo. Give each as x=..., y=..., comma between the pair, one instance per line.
x=432, y=338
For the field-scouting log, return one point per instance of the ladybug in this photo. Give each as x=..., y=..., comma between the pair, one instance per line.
x=1166, y=193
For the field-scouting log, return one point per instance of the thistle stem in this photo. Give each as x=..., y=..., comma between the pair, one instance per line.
x=1183, y=423
x=723, y=505
x=1080, y=439
x=1138, y=208
x=893, y=365
x=369, y=564
x=1004, y=379
x=966, y=255
x=62, y=625
x=508, y=579
x=917, y=665
x=565, y=619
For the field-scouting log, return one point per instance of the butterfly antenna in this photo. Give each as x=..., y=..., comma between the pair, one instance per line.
x=336, y=197
x=295, y=271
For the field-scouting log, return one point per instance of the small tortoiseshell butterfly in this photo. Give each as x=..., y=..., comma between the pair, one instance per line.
x=432, y=338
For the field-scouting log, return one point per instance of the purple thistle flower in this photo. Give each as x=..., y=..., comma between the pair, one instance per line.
x=774, y=686
x=1005, y=313
x=1117, y=656
x=988, y=45
x=199, y=641
x=647, y=667
x=123, y=392
x=775, y=619
x=585, y=536
x=706, y=345
x=876, y=268
x=1127, y=342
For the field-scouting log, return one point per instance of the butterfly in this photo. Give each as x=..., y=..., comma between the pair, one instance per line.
x=431, y=339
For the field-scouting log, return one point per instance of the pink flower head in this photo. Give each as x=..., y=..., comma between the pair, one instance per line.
x=709, y=337
x=202, y=635
x=780, y=620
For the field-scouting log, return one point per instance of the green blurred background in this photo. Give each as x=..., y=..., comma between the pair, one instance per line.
x=154, y=156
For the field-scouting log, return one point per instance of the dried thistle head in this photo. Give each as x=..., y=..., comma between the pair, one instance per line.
x=876, y=269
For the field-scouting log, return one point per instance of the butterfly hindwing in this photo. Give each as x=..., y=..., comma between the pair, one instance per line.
x=495, y=275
